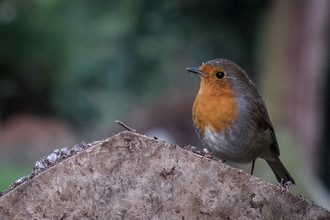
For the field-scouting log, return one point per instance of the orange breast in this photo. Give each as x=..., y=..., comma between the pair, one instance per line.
x=214, y=107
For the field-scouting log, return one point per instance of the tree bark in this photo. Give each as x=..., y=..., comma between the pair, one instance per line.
x=131, y=176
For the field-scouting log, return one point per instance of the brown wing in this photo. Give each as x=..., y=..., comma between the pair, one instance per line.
x=260, y=115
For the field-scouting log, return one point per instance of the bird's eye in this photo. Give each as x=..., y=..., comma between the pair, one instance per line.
x=220, y=75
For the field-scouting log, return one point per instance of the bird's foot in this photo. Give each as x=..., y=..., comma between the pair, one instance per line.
x=284, y=186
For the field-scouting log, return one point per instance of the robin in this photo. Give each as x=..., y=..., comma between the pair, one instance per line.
x=231, y=118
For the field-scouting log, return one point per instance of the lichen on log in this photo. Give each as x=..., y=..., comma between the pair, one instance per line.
x=131, y=176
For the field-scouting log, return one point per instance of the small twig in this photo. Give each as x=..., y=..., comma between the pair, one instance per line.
x=125, y=126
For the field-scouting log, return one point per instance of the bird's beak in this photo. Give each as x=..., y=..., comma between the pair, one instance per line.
x=195, y=70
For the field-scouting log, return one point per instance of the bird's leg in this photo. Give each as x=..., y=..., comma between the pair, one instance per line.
x=253, y=166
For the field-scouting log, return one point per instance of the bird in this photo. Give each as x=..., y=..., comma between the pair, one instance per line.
x=231, y=118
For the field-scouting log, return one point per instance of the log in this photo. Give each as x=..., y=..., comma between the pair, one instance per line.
x=131, y=176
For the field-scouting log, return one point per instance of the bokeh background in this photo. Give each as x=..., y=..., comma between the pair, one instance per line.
x=69, y=69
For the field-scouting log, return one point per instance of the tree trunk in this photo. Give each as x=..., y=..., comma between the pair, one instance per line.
x=130, y=176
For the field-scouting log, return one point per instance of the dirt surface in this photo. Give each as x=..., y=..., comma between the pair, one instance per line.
x=131, y=176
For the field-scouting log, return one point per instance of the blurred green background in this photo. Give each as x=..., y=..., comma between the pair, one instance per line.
x=69, y=69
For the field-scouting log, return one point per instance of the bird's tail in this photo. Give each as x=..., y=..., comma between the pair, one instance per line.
x=280, y=171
